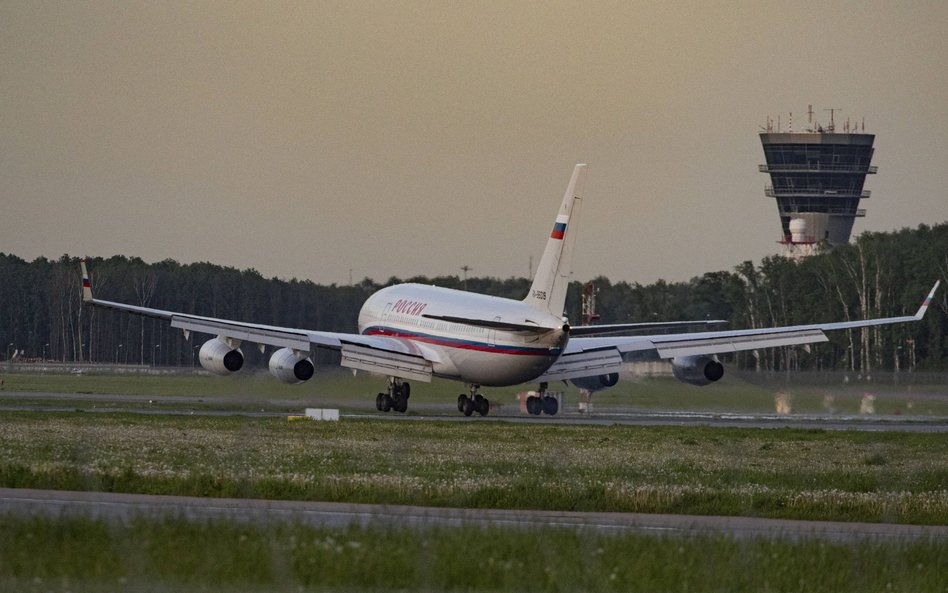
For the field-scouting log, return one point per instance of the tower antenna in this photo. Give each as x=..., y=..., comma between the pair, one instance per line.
x=832, y=126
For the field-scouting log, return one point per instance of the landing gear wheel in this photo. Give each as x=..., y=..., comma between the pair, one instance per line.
x=550, y=405
x=400, y=395
x=468, y=404
x=378, y=401
x=534, y=405
x=387, y=402
x=399, y=404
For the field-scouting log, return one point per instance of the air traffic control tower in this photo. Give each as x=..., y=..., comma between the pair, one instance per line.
x=817, y=178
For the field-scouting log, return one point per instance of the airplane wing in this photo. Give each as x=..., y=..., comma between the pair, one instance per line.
x=582, y=357
x=379, y=354
x=585, y=356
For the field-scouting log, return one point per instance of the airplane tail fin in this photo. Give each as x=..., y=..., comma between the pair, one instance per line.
x=548, y=292
x=86, y=284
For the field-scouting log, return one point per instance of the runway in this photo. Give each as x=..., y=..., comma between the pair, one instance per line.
x=439, y=412
x=126, y=507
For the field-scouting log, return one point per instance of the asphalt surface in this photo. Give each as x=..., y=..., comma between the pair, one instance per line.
x=197, y=406
x=126, y=507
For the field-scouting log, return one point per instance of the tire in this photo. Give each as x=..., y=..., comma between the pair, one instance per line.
x=534, y=406
x=461, y=399
x=378, y=401
x=406, y=390
x=387, y=402
x=482, y=405
x=400, y=403
x=550, y=406
x=468, y=406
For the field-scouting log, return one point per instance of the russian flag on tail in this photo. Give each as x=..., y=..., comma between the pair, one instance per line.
x=86, y=284
x=559, y=229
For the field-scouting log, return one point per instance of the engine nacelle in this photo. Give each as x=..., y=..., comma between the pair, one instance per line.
x=596, y=382
x=697, y=370
x=219, y=358
x=290, y=367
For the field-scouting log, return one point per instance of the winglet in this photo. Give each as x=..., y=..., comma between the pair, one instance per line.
x=86, y=284
x=927, y=301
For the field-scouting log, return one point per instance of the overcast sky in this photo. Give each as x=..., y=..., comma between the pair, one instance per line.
x=412, y=138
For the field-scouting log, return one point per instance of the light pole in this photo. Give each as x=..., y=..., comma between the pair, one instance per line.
x=154, y=356
x=45, y=346
x=118, y=354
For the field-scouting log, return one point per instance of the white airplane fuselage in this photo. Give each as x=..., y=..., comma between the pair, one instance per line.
x=491, y=356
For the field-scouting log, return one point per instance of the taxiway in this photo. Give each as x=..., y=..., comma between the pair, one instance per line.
x=126, y=507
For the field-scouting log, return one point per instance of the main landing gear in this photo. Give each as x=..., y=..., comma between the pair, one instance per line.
x=542, y=403
x=475, y=403
x=396, y=398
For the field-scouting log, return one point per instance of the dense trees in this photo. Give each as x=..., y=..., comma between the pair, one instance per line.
x=880, y=274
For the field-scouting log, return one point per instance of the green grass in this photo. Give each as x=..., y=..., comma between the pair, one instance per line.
x=856, y=476
x=180, y=384
x=337, y=386
x=66, y=554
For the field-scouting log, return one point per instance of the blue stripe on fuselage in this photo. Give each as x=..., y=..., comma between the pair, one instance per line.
x=377, y=330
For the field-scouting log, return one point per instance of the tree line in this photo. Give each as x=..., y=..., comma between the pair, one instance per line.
x=878, y=275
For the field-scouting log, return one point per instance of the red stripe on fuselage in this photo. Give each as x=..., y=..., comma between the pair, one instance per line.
x=462, y=344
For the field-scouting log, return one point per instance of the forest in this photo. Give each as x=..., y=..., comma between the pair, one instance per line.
x=877, y=275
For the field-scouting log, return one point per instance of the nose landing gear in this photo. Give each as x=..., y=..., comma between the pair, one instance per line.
x=475, y=403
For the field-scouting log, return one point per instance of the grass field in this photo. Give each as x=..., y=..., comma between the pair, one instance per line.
x=865, y=476
x=81, y=555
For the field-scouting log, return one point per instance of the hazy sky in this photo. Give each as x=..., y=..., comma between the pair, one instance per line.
x=412, y=138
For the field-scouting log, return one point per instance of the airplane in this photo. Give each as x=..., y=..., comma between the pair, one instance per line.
x=417, y=332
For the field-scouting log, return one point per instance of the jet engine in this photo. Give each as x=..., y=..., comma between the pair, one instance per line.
x=219, y=358
x=596, y=382
x=291, y=366
x=697, y=370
